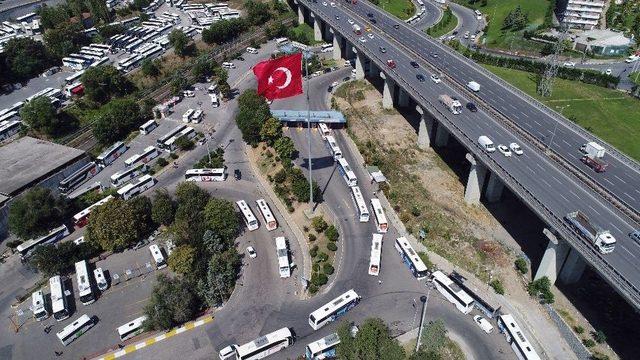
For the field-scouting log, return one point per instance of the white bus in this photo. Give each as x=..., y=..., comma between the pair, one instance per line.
x=189, y=133
x=130, y=190
x=265, y=345
x=101, y=61
x=73, y=77
x=347, y=174
x=410, y=258
x=101, y=47
x=381, y=220
x=333, y=147
x=85, y=291
x=101, y=281
x=199, y=175
x=148, y=154
x=324, y=348
x=249, y=219
x=269, y=220
x=157, y=256
x=9, y=128
x=452, y=292
x=197, y=116
x=80, y=219
x=515, y=337
x=58, y=298
x=25, y=249
x=147, y=127
x=324, y=130
x=131, y=329
x=166, y=137
x=282, y=251
x=334, y=309
x=111, y=154
x=75, y=329
x=74, y=180
x=186, y=117
x=73, y=63
x=39, y=306
x=376, y=254
x=363, y=212
x=124, y=176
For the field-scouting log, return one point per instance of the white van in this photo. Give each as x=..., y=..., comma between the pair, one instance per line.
x=326, y=48
x=473, y=86
x=251, y=50
x=214, y=100
x=101, y=281
x=486, y=143
x=228, y=65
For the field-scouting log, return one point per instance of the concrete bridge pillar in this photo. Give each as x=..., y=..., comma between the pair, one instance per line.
x=573, y=268
x=373, y=70
x=337, y=50
x=317, y=29
x=425, y=129
x=348, y=49
x=359, y=66
x=387, y=92
x=442, y=136
x=403, y=98
x=300, y=14
x=553, y=257
x=494, y=188
x=475, y=181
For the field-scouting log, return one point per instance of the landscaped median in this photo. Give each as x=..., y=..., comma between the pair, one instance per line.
x=402, y=9
x=448, y=22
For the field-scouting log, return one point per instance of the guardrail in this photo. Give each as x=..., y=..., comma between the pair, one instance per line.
x=586, y=250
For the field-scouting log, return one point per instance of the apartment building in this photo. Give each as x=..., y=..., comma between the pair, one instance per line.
x=583, y=14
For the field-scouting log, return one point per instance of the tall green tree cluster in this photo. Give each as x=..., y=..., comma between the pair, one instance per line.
x=37, y=212
x=258, y=13
x=57, y=259
x=172, y=302
x=223, y=31
x=373, y=341
x=516, y=19
x=119, y=224
x=41, y=116
x=253, y=112
x=118, y=118
x=104, y=82
x=180, y=41
x=65, y=38
x=22, y=59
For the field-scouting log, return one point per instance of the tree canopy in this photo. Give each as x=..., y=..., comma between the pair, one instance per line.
x=23, y=58
x=41, y=116
x=179, y=40
x=65, y=38
x=223, y=31
x=118, y=224
x=221, y=218
x=103, y=82
x=182, y=259
x=172, y=303
x=118, y=118
x=373, y=341
x=164, y=208
x=253, y=112
x=37, y=212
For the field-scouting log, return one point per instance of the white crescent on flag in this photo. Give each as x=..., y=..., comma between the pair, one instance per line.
x=287, y=72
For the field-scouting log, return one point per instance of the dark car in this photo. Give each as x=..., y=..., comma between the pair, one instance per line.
x=373, y=21
x=434, y=55
x=396, y=26
x=237, y=174
x=370, y=14
x=383, y=49
x=420, y=77
x=240, y=58
x=472, y=107
x=455, y=32
x=414, y=64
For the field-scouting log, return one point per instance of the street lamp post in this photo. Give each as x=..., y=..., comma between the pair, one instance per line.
x=425, y=300
x=554, y=130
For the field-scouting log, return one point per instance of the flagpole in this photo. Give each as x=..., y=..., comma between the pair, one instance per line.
x=306, y=66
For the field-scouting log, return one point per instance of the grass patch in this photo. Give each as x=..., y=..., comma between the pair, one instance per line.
x=402, y=9
x=605, y=112
x=303, y=33
x=445, y=25
x=635, y=77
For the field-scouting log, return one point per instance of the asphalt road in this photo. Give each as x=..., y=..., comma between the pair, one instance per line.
x=432, y=13
x=560, y=193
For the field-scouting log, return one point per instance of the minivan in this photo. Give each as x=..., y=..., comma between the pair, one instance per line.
x=228, y=65
x=486, y=143
x=251, y=50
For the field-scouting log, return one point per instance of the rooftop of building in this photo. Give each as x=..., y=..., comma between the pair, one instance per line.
x=603, y=38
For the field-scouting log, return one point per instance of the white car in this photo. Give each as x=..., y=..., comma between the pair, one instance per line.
x=504, y=150
x=362, y=39
x=227, y=353
x=435, y=78
x=333, y=4
x=188, y=93
x=324, y=3
x=473, y=37
x=570, y=64
x=252, y=252
x=370, y=35
x=608, y=72
x=466, y=35
x=350, y=21
x=483, y=324
x=516, y=149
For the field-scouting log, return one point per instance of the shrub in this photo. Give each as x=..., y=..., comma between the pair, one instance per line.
x=319, y=279
x=318, y=224
x=578, y=329
x=588, y=343
x=332, y=233
x=315, y=267
x=313, y=251
x=521, y=265
x=599, y=336
x=328, y=269
x=312, y=237
x=323, y=257
x=173, y=156
x=13, y=244
x=332, y=246
x=162, y=162
x=497, y=286
x=305, y=228
x=415, y=211
x=280, y=177
x=313, y=289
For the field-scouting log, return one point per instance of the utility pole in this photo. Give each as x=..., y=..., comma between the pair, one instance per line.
x=425, y=301
x=545, y=86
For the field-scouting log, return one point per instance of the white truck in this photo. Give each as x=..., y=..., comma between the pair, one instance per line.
x=356, y=29
x=601, y=239
x=593, y=150
x=452, y=104
x=474, y=86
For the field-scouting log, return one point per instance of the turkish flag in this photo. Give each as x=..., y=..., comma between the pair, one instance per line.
x=280, y=78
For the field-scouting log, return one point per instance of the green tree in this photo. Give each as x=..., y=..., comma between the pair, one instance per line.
x=190, y=195
x=279, y=7
x=221, y=217
x=108, y=31
x=183, y=143
x=258, y=13
x=179, y=40
x=332, y=233
x=271, y=131
x=599, y=336
x=114, y=226
x=24, y=58
x=221, y=276
x=118, y=118
x=182, y=259
x=179, y=84
x=253, y=112
x=41, y=116
x=141, y=207
x=521, y=265
x=319, y=224
x=163, y=209
x=285, y=148
x=50, y=16
x=150, y=68
x=214, y=243
x=103, y=82
x=172, y=303
x=37, y=212
x=54, y=259
x=541, y=288
x=202, y=68
x=373, y=341
x=223, y=31
x=65, y=38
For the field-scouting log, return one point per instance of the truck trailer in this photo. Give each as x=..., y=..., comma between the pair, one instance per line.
x=452, y=104
x=601, y=239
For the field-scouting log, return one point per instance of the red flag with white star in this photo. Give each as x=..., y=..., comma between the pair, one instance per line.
x=280, y=78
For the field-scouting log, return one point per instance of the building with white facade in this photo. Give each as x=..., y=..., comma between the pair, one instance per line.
x=583, y=14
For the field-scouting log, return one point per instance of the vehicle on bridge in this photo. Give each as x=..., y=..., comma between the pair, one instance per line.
x=451, y=104
x=601, y=239
x=595, y=163
x=334, y=309
x=474, y=86
x=593, y=149
x=356, y=29
x=486, y=144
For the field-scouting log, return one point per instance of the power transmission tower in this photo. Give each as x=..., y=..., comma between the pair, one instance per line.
x=545, y=85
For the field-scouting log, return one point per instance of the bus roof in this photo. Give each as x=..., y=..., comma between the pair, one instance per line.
x=263, y=341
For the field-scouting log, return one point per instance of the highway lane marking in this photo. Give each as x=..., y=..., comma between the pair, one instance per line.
x=631, y=197
x=150, y=341
x=617, y=177
x=610, y=183
x=617, y=228
x=523, y=114
x=565, y=141
x=625, y=249
x=565, y=199
x=594, y=210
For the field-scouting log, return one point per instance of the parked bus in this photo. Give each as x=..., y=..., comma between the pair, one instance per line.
x=101, y=47
x=175, y=131
x=282, y=251
x=147, y=127
x=101, y=61
x=269, y=220
x=111, y=154
x=124, y=176
x=75, y=329
x=376, y=254
x=381, y=220
x=516, y=338
x=452, y=292
x=131, y=329
x=26, y=248
x=85, y=291
x=282, y=41
x=39, y=306
x=265, y=345
x=73, y=77
x=334, y=309
x=189, y=133
x=9, y=128
x=411, y=258
x=101, y=281
x=186, y=117
x=249, y=219
x=138, y=187
x=80, y=219
x=324, y=348
x=347, y=174
x=156, y=253
x=197, y=116
x=324, y=130
x=58, y=299
x=333, y=147
x=96, y=186
x=363, y=212
x=73, y=63
x=148, y=154
x=199, y=175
